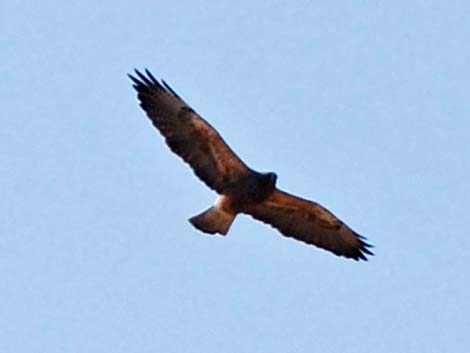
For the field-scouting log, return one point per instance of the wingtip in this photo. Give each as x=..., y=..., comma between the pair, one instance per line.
x=134, y=80
x=146, y=78
x=364, y=250
x=137, y=77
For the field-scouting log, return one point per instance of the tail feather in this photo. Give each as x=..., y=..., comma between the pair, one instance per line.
x=213, y=220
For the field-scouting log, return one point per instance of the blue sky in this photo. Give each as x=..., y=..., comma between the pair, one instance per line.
x=362, y=106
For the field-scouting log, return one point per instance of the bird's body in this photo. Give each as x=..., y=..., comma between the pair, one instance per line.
x=240, y=188
x=252, y=189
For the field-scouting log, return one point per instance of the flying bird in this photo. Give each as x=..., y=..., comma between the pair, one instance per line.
x=240, y=188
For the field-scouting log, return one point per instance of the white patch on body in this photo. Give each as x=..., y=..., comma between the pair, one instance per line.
x=222, y=203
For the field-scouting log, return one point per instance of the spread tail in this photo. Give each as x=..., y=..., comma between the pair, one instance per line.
x=213, y=220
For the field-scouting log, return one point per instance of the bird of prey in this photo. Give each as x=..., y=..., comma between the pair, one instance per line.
x=240, y=188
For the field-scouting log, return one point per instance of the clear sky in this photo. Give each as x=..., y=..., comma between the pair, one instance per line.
x=362, y=106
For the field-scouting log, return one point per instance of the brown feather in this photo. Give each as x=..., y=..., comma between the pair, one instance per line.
x=188, y=134
x=311, y=223
x=199, y=144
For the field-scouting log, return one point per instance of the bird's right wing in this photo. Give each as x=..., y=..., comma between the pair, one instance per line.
x=311, y=223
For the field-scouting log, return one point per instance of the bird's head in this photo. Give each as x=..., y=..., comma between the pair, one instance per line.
x=270, y=179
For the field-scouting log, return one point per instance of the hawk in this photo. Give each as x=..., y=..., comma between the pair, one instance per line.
x=240, y=188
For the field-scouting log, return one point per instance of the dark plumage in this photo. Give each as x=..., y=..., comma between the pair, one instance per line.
x=241, y=189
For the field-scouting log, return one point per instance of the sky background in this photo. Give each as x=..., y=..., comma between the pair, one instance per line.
x=362, y=106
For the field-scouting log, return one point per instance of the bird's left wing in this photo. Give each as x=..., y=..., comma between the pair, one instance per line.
x=311, y=223
x=188, y=134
